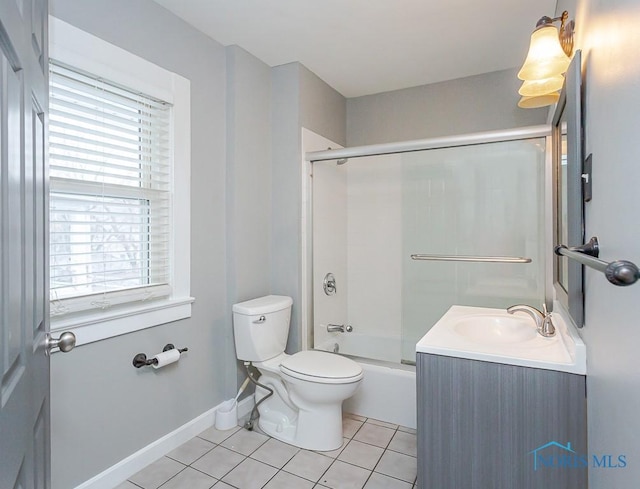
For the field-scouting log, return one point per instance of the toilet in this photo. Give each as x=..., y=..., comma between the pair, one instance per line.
x=305, y=409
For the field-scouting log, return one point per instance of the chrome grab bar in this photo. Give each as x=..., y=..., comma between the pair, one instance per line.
x=619, y=272
x=486, y=259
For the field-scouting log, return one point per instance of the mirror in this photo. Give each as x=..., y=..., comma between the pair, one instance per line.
x=568, y=200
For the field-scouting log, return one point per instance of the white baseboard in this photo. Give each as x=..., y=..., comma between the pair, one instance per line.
x=118, y=473
x=246, y=406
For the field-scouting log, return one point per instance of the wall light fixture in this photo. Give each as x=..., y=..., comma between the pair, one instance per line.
x=548, y=58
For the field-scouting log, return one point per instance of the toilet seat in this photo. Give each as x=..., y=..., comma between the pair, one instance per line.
x=321, y=367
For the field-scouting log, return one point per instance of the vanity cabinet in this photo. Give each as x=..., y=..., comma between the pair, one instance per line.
x=484, y=425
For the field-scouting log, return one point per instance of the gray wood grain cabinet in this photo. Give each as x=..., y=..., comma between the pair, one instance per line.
x=485, y=425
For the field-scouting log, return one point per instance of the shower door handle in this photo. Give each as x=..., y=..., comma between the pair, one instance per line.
x=486, y=259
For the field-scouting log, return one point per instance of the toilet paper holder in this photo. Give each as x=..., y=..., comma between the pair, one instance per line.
x=141, y=360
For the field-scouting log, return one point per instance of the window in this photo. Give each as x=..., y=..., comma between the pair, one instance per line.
x=110, y=194
x=119, y=180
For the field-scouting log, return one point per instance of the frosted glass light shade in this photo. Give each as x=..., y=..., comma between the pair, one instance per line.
x=534, y=88
x=545, y=58
x=539, y=101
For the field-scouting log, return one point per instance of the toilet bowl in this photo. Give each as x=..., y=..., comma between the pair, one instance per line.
x=308, y=387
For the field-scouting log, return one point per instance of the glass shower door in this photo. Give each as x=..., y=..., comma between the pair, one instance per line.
x=482, y=200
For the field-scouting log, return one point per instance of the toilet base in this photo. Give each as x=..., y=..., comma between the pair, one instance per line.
x=278, y=431
x=318, y=429
x=321, y=432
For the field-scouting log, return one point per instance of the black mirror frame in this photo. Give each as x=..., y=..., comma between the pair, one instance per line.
x=570, y=106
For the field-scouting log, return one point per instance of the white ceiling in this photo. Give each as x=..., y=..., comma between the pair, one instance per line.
x=361, y=47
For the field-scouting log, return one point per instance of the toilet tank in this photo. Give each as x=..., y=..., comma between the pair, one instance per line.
x=261, y=327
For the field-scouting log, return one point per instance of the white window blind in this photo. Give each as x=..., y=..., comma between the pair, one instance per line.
x=110, y=193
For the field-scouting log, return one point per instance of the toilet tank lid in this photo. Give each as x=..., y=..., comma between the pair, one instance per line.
x=263, y=305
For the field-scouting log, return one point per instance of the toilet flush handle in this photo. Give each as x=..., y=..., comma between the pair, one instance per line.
x=260, y=320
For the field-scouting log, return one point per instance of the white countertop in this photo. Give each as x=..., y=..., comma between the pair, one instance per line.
x=564, y=352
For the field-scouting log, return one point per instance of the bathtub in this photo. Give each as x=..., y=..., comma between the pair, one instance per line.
x=388, y=389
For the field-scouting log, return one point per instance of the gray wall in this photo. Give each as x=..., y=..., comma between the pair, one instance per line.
x=300, y=99
x=248, y=175
x=322, y=109
x=473, y=104
x=610, y=39
x=286, y=196
x=103, y=409
x=248, y=179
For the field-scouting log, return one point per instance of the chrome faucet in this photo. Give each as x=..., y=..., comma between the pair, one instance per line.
x=544, y=325
x=339, y=328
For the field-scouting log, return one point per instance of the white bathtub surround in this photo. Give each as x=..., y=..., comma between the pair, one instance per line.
x=357, y=236
x=312, y=295
x=374, y=247
x=362, y=345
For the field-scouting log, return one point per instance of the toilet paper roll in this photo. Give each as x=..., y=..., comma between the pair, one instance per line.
x=166, y=357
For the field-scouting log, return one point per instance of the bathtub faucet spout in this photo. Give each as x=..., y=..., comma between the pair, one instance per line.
x=339, y=328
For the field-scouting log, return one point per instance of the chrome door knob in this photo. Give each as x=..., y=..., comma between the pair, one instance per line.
x=65, y=343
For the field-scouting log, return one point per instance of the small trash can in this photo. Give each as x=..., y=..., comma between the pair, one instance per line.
x=227, y=415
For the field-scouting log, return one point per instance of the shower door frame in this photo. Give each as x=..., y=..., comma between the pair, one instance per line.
x=470, y=139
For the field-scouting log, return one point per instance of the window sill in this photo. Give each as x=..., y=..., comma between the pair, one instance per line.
x=95, y=326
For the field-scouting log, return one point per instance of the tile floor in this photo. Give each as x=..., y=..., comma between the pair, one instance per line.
x=374, y=455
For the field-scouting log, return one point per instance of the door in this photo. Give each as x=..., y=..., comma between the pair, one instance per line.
x=24, y=341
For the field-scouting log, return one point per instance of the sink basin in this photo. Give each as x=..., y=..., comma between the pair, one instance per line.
x=501, y=329
x=494, y=335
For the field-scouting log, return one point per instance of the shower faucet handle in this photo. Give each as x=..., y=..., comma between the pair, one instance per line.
x=329, y=284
